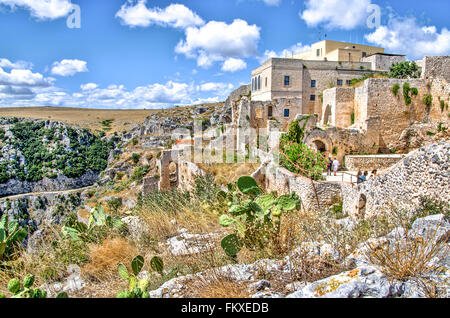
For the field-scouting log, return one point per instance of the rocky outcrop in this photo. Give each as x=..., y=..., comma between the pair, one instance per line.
x=60, y=183
x=364, y=280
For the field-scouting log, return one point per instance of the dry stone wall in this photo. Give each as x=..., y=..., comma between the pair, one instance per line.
x=424, y=173
x=369, y=163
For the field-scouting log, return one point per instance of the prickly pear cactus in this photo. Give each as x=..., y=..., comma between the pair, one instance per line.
x=256, y=217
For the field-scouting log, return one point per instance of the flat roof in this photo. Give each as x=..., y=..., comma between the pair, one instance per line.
x=387, y=54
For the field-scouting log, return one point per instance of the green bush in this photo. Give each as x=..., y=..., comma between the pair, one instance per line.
x=406, y=90
x=135, y=157
x=395, y=89
x=404, y=70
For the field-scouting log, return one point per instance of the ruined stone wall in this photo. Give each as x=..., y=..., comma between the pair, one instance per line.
x=383, y=63
x=371, y=162
x=284, y=182
x=234, y=98
x=378, y=101
x=187, y=173
x=440, y=90
x=423, y=173
x=338, y=106
x=436, y=67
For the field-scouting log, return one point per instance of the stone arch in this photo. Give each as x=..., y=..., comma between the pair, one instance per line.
x=319, y=140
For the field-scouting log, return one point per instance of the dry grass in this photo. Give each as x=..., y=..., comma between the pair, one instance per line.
x=92, y=118
x=218, y=286
x=104, y=258
x=408, y=257
x=227, y=173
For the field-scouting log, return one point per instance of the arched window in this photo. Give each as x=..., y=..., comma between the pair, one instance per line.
x=259, y=82
x=253, y=84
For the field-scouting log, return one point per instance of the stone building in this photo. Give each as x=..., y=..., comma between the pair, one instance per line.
x=304, y=77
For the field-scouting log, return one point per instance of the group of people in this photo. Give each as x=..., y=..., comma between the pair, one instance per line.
x=363, y=177
x=333, y=165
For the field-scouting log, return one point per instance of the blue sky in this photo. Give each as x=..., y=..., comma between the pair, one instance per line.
x=160, y=53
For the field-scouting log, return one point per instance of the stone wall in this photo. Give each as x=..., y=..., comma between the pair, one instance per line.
x=338, y=106
x=234, y=98
x=382, y=62
x=436, y=67
x=423, y=173
x=188, y=172
x=371, y=162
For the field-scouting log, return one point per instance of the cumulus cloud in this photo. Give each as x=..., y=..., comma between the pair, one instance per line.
x=218, y=41
x=69, y=67
x=25, y=78
x=294, y=49
x=88, y=86
x=42, y=9
x=5, y=63
x=336, y=13
x=136, y=14
x=233, y=65
x=406, y=36
x=217, y=88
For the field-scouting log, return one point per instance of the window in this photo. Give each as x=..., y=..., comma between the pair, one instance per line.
x=312, y=98
x=319, y=53
x=253, y=84
x=348, y=82
x=266, y=81
x=364, y=54
x=340, y=82
x=286, y=80
x=259, y=82
x=270, y=112
x=313, y=83
x=286, y=113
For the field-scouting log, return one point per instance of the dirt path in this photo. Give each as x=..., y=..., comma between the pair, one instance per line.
x=18, y=196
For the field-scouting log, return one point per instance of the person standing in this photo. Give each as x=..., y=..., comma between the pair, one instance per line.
x=329, y=166
x=335, y=165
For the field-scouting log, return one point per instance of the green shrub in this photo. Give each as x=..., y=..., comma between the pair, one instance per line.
x=442, y=105
x=136, y=157
x=414, y=91
x=406, y=90
x=404, y=70
x=395, y=89
x=352, y=118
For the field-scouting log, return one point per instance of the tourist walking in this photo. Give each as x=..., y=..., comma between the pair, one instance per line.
x=335, y=165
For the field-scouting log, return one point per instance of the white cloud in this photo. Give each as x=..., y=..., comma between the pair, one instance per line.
x=217, y=41
x=272, y=2
x=405, y=36
x=136, y=14
x=233, y=65
x=336, y=13
x=5, y=63
x=24, y=78
x=294, y=49
x=69, y=67
x=218, y=88
x=88, y=86
x=42, y=9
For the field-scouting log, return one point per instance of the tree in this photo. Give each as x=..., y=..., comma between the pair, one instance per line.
x=404, y=70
